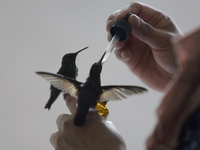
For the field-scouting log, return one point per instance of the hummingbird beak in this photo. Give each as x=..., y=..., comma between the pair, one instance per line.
x=81, y=50
x=100, y=61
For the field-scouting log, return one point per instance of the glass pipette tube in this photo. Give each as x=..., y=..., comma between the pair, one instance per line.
x=111, y=46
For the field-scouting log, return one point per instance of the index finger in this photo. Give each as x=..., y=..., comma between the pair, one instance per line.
x=145, y=12
x=70, y=102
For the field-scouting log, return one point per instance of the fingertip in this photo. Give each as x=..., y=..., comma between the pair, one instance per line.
x=112, y=17
x=61, y=118
x=109, y=36
x=134, y=21
x=109, y=25
x=123, y=54
x=149, y=143
x=152, y=144
x=110, y=124
x=53, y=139
x=122, y=14
x=118, y=15
x=118, y=53
x=70, y=102
x=126, y=55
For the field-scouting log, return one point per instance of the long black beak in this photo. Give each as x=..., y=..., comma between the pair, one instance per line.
x=100, y=61
x=81, y=50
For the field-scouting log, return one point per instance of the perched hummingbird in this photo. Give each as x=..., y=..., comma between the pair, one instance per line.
x=90, y=92
x=69, y=69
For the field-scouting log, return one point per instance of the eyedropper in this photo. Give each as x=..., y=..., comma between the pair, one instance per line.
x=120, y=31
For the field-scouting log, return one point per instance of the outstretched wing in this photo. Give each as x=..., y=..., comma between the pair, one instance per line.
x=117, y=92
x=65, y=84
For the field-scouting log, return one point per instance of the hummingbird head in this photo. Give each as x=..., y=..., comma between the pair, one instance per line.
x=97, y=67
x=71, y=57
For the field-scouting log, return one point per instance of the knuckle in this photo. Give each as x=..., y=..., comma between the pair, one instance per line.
x=135, y=4
x=112, y=16
x=66, y=125
x=143, y=28
x=117, y=12
x=60, y=118
x=59, y=143
x=59, y=140
x=61, y=121
x=166, y=17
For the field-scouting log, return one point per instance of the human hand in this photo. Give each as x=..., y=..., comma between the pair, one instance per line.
x=149, y=51
x=96, y=133
x=182, y=99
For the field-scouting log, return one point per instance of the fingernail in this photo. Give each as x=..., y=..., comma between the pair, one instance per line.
x=108, y=25
x=117, y=13
x=135, y=21
x=109, y=22
x=117, y=16
x=126, y=55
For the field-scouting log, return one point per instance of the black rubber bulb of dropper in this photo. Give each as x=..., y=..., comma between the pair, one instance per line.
x=121, y=28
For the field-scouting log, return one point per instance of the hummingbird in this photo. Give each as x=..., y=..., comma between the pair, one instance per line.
x=91, y=92
x=68, y=68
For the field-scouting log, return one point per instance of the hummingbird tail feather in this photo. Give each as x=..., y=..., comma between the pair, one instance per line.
x=48, y=106
x=82, y=110
x=54, y=95
x=79, y=119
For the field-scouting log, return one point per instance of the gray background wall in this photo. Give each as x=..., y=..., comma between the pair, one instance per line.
x=34, y=35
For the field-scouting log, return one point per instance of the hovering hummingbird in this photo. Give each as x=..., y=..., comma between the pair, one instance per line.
x=91, y=92
x=68, y=68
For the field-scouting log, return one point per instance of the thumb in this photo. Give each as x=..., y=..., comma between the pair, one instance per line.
x=142, y=30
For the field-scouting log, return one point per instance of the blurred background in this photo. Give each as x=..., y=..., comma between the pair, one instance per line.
x=34, y=35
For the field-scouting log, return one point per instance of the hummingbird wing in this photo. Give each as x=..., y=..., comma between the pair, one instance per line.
x=65, y=84
x=117, y=92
